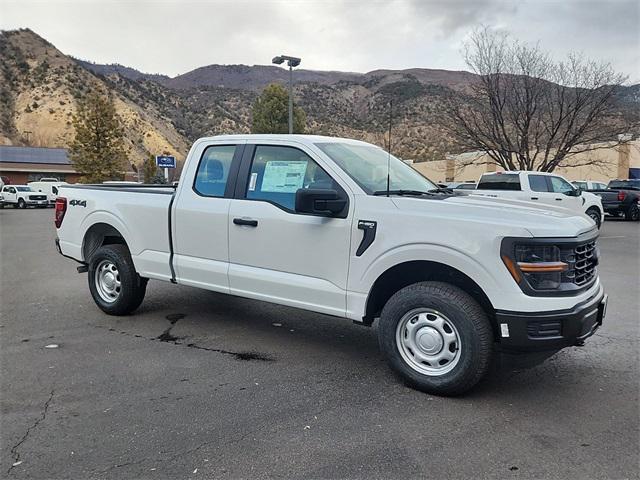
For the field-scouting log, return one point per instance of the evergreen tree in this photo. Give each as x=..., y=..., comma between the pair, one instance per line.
x=150, y=169
x=271, y=112
x=98, y=150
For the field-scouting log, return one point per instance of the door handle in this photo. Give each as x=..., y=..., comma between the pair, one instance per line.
x=245, y=221
x=559, y=199
x=534, y=198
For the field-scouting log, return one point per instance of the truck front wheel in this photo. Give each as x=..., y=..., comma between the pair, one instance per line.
x=436, y=337
x=114, y=284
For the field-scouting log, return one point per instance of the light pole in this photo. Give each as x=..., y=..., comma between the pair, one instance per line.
x=291, y=62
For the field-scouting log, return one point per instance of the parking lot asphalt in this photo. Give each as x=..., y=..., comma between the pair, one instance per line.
x=202, y=385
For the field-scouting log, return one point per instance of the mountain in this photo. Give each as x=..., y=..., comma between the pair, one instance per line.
x=39, y=88
x=39, y=91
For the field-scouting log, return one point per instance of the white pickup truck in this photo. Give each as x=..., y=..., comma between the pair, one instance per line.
x=548, y=189
x=316, y=223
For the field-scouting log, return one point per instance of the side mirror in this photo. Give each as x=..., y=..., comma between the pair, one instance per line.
x=576, y=192
x=319, y=202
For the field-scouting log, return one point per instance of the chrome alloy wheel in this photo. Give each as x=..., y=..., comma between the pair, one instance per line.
x=428, y=342
x=107, y=280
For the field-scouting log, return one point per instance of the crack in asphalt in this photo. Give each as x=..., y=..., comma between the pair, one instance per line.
x=167, y=337
x=14, y=450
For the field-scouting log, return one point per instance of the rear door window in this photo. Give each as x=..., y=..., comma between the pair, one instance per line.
x=213, y=170
x=504, y=181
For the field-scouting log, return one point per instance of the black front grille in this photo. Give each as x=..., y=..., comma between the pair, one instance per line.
x=582, y=261
x=37, y=197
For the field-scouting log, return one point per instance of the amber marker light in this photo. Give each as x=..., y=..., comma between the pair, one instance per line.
x=542, y=267
x=512, y=268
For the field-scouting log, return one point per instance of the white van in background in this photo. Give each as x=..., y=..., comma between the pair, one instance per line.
x=48, y=187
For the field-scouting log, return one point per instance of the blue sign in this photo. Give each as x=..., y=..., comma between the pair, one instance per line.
x=166, y=161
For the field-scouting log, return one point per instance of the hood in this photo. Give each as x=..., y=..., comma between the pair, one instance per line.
x=547, y=221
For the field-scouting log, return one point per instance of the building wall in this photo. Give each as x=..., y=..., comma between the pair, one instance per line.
x=615, y=163
x=23, y=177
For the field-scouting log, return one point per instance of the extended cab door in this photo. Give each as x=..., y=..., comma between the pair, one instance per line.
x=279, y=255
x=200, y=214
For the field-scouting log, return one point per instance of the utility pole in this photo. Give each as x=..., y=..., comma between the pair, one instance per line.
x=291, y=62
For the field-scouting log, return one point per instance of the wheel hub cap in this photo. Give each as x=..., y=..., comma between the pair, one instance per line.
x=429, y=340
x=107, y=281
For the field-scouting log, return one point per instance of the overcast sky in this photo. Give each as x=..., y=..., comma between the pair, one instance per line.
x=173, y=37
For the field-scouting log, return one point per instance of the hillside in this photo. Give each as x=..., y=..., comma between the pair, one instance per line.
x=40, y=87
x=39, y=94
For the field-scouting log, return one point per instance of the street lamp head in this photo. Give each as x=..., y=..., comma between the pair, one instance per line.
x=291, y=61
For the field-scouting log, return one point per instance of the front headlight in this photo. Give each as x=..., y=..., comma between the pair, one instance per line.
x=539, y=265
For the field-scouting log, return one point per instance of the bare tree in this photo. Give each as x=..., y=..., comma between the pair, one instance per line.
x=526, y=111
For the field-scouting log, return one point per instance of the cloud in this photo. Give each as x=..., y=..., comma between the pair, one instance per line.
x=172, y=37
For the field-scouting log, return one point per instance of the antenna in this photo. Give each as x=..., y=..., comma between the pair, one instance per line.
x=389, y=150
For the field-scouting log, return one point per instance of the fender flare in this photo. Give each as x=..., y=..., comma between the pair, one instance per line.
x=491, y=282
x=108, y=218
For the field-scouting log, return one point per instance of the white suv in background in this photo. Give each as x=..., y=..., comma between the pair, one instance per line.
x=544, y=188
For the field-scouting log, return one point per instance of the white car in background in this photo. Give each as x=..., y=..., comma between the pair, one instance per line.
x=542, y=188
x=586, y=185
x=49, y=187
x=22, y=196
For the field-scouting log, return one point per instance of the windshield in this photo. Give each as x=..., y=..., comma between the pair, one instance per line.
x=367, y=166
x=24, y=189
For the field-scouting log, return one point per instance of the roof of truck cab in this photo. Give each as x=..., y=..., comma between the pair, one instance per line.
x=518, y=172
x=305, y=139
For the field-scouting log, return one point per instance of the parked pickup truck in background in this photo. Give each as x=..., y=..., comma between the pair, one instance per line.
x=621, y=197
x=309, y=222
x=22, y=196
x=547, y=189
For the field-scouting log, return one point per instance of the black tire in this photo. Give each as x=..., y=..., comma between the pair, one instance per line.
x=21, y=203
x=633, y=213
x=132, y=287
x=594, y=214
x=463, y=312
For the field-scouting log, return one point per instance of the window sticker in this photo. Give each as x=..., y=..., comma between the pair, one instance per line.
x=252, y=182
x=283, y=176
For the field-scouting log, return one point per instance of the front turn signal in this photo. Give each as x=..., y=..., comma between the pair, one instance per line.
x=543, y=267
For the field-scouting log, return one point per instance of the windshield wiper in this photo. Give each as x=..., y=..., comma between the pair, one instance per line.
x=408, y=193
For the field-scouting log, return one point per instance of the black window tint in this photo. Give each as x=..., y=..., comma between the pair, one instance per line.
x=278, y=172
x=631, y=184
x=54, y=190
x=213, y=170
x=538, y=183
x=499, y=182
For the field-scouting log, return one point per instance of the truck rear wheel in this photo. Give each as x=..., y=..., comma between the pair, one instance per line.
x=436, y=337
x=114, y=284
x=633, y=213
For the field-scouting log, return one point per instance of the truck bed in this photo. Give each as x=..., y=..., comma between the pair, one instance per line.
x=139, y=212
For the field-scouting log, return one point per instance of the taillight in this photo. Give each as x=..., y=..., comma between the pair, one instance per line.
x=61, y=209
x=621, y=196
